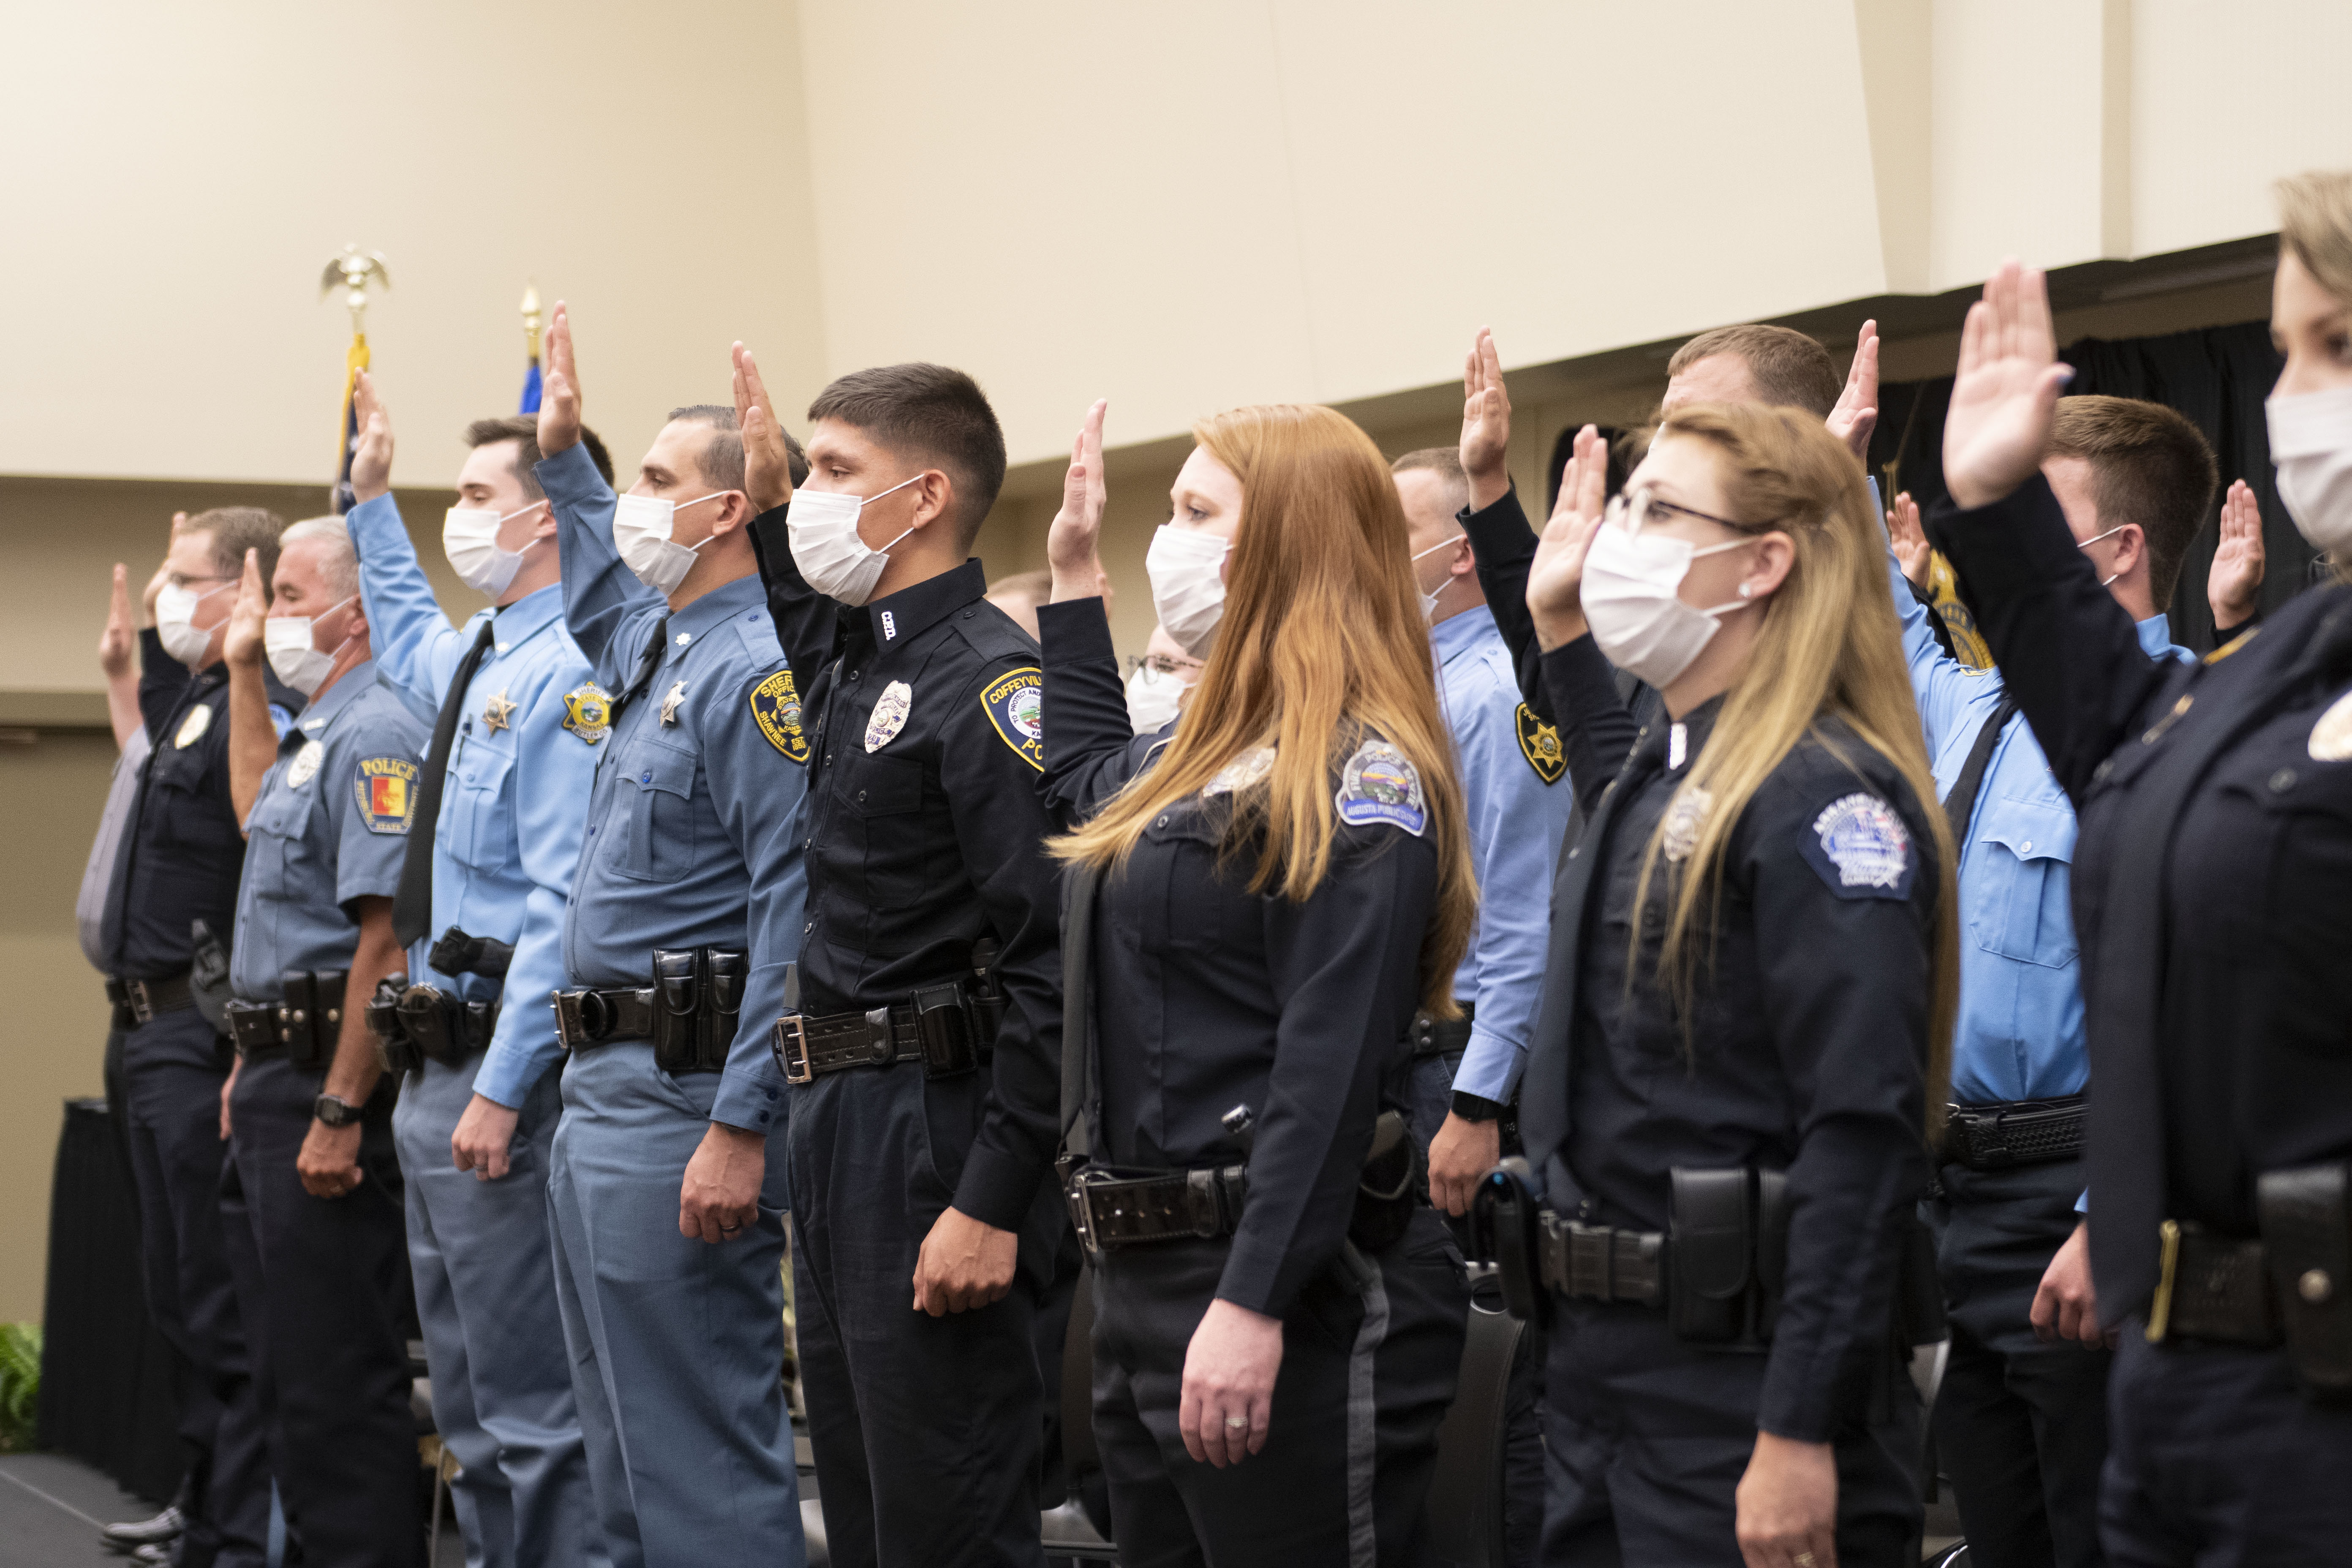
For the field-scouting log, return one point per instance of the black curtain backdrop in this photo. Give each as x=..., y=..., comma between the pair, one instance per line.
x=2218, y=376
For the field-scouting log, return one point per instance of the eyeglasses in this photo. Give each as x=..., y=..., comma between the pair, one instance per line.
x=182, y=579
x=1162, y=664
x=1636, y=510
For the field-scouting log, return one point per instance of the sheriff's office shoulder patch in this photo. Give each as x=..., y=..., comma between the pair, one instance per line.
x=192, y=727
x=776, y=709
x=1015, y=703
x=1380, y=783
x=1860, y=849
x=588, y=712
x=386, y=787
x=1540, y=743
x=305, y=766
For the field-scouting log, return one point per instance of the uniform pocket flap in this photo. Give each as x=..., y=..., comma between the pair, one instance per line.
x=484, y=767
x=2030, y=830
x=881, y=787
x=653, y=765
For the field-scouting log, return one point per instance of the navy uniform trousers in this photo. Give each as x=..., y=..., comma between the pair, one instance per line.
x=1369, y=1366
x=502, y=1394
x=1646, y=1439
x=322, y=1284
x=2020, y=1426
x=170, y=1124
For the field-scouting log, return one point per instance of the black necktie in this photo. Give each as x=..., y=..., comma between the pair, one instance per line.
x=647, y=662
x=412, y=906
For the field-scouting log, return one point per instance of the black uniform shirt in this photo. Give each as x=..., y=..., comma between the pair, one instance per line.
x=185, y=850
x=1208, y=995
x=1808, y=1045
x=2213, y=880
x=925, y=832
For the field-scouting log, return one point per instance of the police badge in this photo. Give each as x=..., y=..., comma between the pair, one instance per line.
x=305, y=766
x=192, y=727
x=889, y=715
x=588, y=712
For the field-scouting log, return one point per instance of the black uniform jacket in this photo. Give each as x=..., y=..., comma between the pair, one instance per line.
x=183, y=850
x=1808, y=1040
x=2212, y=879
x=1208, y=995
x=922, y=839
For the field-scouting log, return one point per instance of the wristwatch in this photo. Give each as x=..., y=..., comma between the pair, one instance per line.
x=1476, y=1108
x=333, y=1111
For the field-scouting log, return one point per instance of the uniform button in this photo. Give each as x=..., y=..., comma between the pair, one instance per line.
x=808, y=927
x=861, y=797
x=852, y=675
x=2027, y=847
x=2314, y=1287
x=1161, y=823
x=645, y=777
x=763, y=1115
x=1573, y=853
x=772, y=1094
x=967, y=614
x=2282, y=781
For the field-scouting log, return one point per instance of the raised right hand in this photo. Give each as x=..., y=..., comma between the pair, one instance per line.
x=117, y=642
x=2006, y=393
x=243, y=645
x=1556, y=577
x=767, y=462
x=163, y=572
x=1485, y=423
x=1912, y=550
x=1073, y=538
x=371, y=456
x=559, y=401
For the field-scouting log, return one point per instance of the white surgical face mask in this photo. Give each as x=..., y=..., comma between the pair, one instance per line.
x=827, y=548
x=1188, y=585
x=288, y=639
x=641, y=534
x=175, y=606
x=470, y=537
x=2311, y=442
x=1429, y=601
x=1153, y=697
x=1632, y=597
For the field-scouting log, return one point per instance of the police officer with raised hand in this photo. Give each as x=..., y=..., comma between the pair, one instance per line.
x=924, y=1038
x=176, y=870
x=2213, y=880
x=480, y=910
x=1257, y=907
x=667, y=1186
x=1746, y=1000
x=313, y=1204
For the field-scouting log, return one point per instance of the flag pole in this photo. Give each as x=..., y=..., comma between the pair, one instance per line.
x=353, y=271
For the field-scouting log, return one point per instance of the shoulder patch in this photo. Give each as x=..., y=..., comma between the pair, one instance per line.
x=1380, y=783
x=1540, y=743
x=386, y=787
x=280, y=719
x=1015, y=703
x=776, y=709
x=192, y=727
x=588, y=712
x=2233, y=646
x=1860, y=849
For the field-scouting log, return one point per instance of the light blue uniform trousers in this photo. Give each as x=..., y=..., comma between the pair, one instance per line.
x=485, y=1273
x=678, y=1345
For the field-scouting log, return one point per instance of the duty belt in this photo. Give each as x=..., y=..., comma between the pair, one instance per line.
x=938, y=1028
x=416, y=1024
x=1110, y=1210
x=2027, y=1132
x=1440, y=1036
x=302, y=1027
x=2214, y=1287
x=584, y=1019
x=139, y=1002
x=691, y=1011
x=1601, y=1262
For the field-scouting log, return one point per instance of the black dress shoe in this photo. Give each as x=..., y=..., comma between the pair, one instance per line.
x=162, y=1530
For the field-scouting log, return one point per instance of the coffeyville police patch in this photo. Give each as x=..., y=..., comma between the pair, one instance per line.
x=1860, y=849
x=776, y=709
x=1540, y=743
x=588, y=712
x=1015, y=704
x=387, y=790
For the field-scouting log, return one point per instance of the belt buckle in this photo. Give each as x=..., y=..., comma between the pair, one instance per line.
x=1082, y=1214
x=135, y=991
x=570, y=1026
x=1201, y=1198
x=791, y=1049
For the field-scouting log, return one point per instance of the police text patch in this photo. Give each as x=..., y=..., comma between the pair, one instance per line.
x=1015, y=703
x=386, y=787
x=776, y=709
x=1540, y=743
x=1860, y=849
x=1380, y=783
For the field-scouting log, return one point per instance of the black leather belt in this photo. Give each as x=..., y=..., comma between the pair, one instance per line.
x=584, y=1019
x=139, y=1002
x=2214, y=1287
x=417, y=1024
x=2027, y=1132
x=1109, y=1210
x=935, y=1029
x=1440, y=1036
x=1601, y=1262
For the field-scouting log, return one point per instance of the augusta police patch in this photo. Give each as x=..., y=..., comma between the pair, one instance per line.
x=1540, y=743
x=387, y=790
x=1015, y=704
x=1860, y=849
x=776, y=709
x=1380, y=783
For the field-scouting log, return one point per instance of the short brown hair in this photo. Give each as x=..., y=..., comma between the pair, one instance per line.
x=2149, y=465
x=522, y=429
x=234, y=531
x=2316, y=226
x=932, y=412
x=722, y=459
x=1446, y=462
x=1790, y=369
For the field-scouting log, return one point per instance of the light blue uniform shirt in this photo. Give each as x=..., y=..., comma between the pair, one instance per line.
x=511, y=814
x=1516, y=821
x=692, y=832
x=2019, y=1034
x=330, y=824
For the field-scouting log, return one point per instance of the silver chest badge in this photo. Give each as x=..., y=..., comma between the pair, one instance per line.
x=2331, y=738
x=305, y=766
x=192, y=727
x=889, y=715
x=1684, y=820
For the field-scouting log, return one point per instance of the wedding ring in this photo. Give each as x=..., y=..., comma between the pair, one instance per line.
x=1805, y=1560
x=1238, y=1423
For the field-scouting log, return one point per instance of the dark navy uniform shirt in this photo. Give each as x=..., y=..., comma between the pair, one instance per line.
x=2212, y=879
x=925, y=833
x=1807, y=1048
x=1208, y=995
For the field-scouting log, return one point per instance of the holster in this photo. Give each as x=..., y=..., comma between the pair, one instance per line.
x=1505, y=1214
x=311, y=1016
x=458, y=953
x=208, y=975
x=698, y=1002
x=1387, y=1190
x=2306, y=1220
x=399, y=1054
x=1728, y=1252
